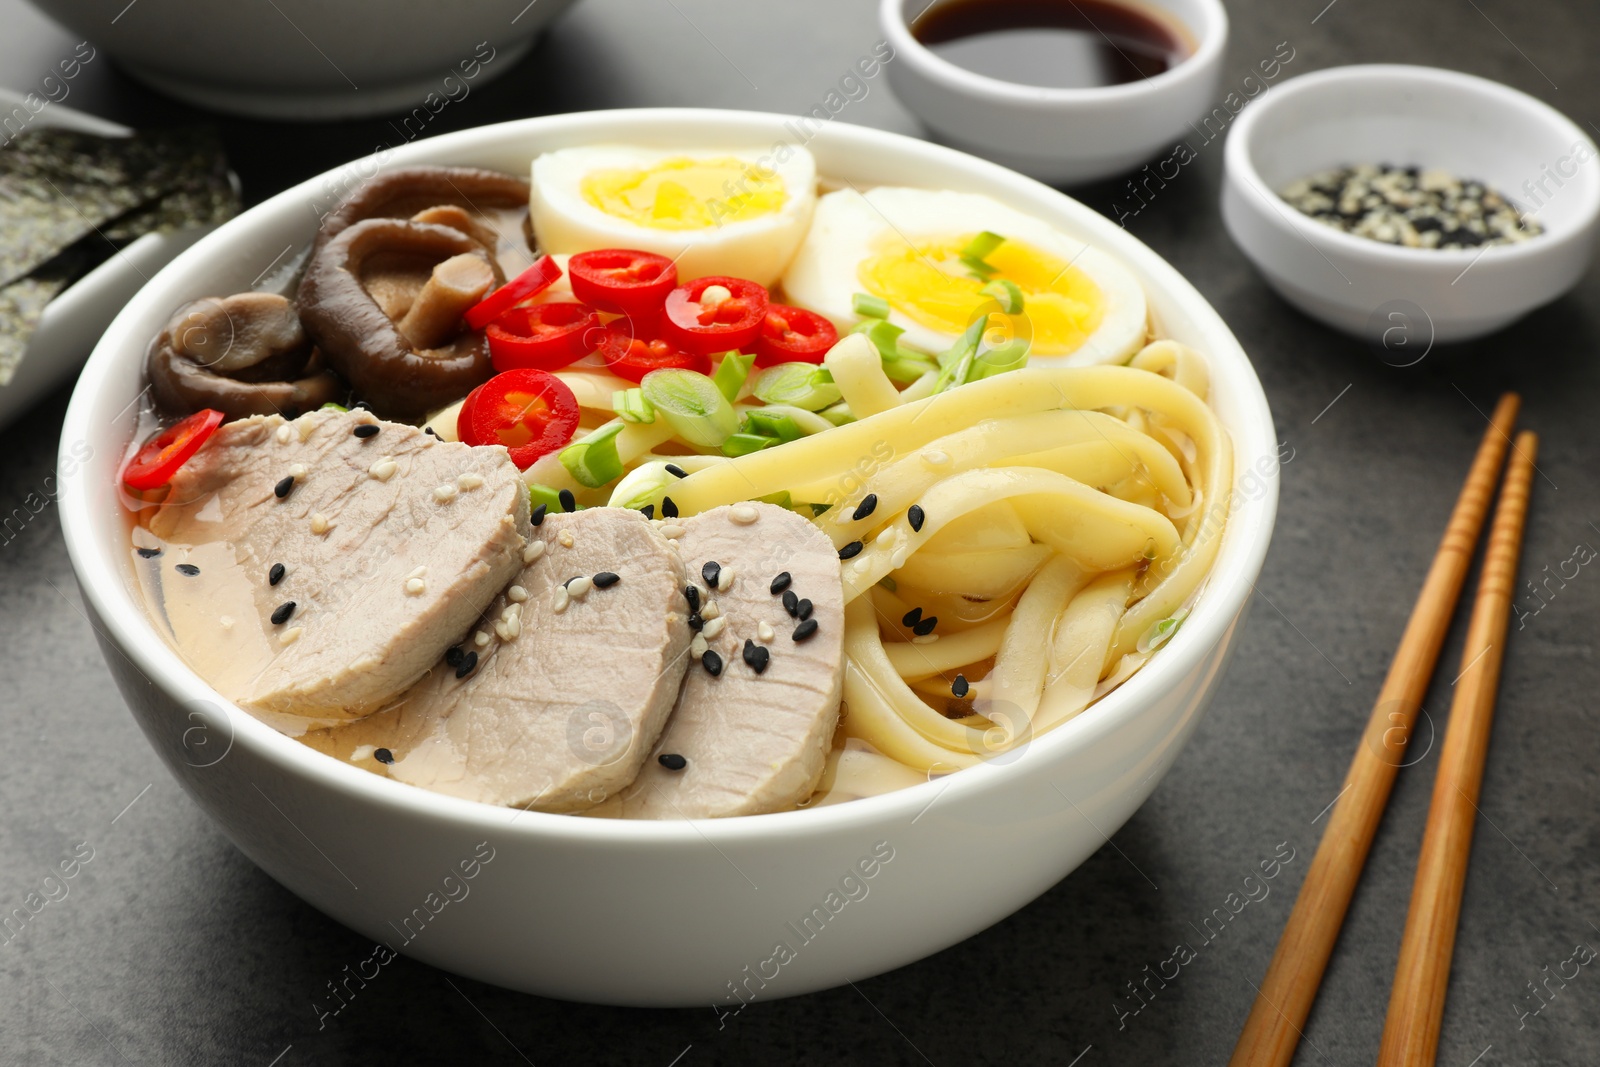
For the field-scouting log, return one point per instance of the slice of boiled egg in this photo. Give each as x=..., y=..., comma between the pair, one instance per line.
x=1080, y=306
x=740, y=212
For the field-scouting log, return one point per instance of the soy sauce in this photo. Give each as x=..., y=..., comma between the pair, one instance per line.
x=1054, y=44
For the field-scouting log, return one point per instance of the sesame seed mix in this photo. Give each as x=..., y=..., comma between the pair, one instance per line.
x=453, y=655
x=361, y=405
x=468, y=664
x=383, y=755
x=568, y=501
x=697, y=647
x=791, y=603
x=366, y=430
x=1410, y=206
x=725, y=580
x=696, y=621
x=711, y=662
x=384, y=469
x=711, y=611
x=444, y=493
x=148, y=553
x=756, y=657
x=959, y=687
x=711, y=572
x=669, y=510
x=672, y=761
x=865, y=508
x=851, y=550
x=805, y=630
x=676, y=471
x=187, y=569
x=579, y=587
x=559, y=600
x=537, y=517
x=714, y=627
x=281, y=613
x=606, y=579
x=781, y=582
x=648, y=511
x=691, y=594
x=925, y=626
x=531, y=552
x=912, y=617
x=915, y=516
x=802, y=610
x=764, y=631
x=284, y=487
x=516, y=594
x=297, y=471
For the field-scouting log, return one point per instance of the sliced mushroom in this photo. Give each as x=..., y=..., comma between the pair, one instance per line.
x=243, y=355
x=384, y=300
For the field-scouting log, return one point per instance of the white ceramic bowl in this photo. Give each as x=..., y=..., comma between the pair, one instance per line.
x=1405, y=298
x=660, y=913
x=312, y=59
x=1060, y=136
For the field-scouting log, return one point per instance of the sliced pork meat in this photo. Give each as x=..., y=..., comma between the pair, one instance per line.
x=325, y=564
x=758, y=709
x=555, y=701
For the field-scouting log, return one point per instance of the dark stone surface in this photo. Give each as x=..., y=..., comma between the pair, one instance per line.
x=172, y=948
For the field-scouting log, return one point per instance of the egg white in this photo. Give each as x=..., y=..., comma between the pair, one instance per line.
x=849, y=228
x=755, y=248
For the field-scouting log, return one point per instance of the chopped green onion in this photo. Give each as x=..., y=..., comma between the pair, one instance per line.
x=1008, y=295
x=1013, y=355
x=809, y=422
x=631, y=406
x=645, y=484
x=819, y=509
x=546, y=495
x=331, y=406
x=978, y=268
x=768, y=424
x=869, y=306
x=592, y=460
x=692, y=404
x=956, y=361
x=801, y=385
x=742, y=444
x=982, y=245
x=731, y=374
x=839, y=414
x=782, y=499
x=907, y=368
x=1162, y=632
x=901, y=364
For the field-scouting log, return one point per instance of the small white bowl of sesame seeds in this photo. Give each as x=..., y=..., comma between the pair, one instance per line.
x=1411, y=205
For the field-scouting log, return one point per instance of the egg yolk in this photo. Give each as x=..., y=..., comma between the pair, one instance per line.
x=686, y=194
x=930, y=285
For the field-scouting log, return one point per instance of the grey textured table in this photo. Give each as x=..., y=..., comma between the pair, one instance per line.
x=170, y=947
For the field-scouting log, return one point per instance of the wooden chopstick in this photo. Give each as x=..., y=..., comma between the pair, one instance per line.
x=1284, y=998
x=1416, y=1003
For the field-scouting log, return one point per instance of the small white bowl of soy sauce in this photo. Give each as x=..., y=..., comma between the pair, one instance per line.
x=1066, y=91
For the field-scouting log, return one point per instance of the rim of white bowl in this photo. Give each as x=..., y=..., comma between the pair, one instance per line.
x=1208, y=50
x=1219, y=605
x=1238, y=156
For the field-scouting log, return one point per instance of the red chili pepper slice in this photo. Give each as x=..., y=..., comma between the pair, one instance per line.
x=631, y=355
x=543, y=336
x=464, y=416
x=544, y=273
x=531, y=412
x=702, y=327
x=622, y=280
x=155, y=464
x=793, y=335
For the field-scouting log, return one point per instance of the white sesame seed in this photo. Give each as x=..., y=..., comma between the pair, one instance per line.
x=363, y=752
x=470, y=481
x=365, y=663
x=764, y=632
x=481, y=639
x=711, y=611
x=384, y=469
x=420, y=572
x=860, y=564
x=283, y=434
x=319, y=523
x=725, y=579
x=935, y=458
x=227, y=622
x=306, y=428
x=744, y=514
x=697, y=646
x=512, y=611
x=532, y=551
x=298, y=471
x=885, y=534
x=513, y=628
x=715, y=296
x=291, y=635
x=924, y=639
x=416, y=586
x=898, y=560
x=713, y=627
x=672, y=531
x=500, y=630
x=444, y=493
x=565, y=537
x=516, y=594
x=559, y=601
x=579, y=587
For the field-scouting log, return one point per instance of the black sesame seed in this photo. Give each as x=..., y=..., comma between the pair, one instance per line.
x=711, y=662
x=959, y=687
x=851, y=550
x=568, y=501
x=648, y=511
x=383, y=755
x=430, y=430
x=453, y=655
x=537, y=518
x=569, y=581
x=672, y=761
x=711, y=572
x=791, y=603
x=284, y=487
x=780, y=583
x=925, y=627
x=676, y=471
x=802, y=610
x=912, y=617
x=864, y=508
x=669, y=510
x=915, y=516
x=695, y=621
x=281, y=613
x=366, y=430
x=361, y=405
x=275, y=574
x=805, y=630
x=468, y=664
x=187, y=569
x=606, y=579
x=691, y=593
x=756, y=657
x=148, y=553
